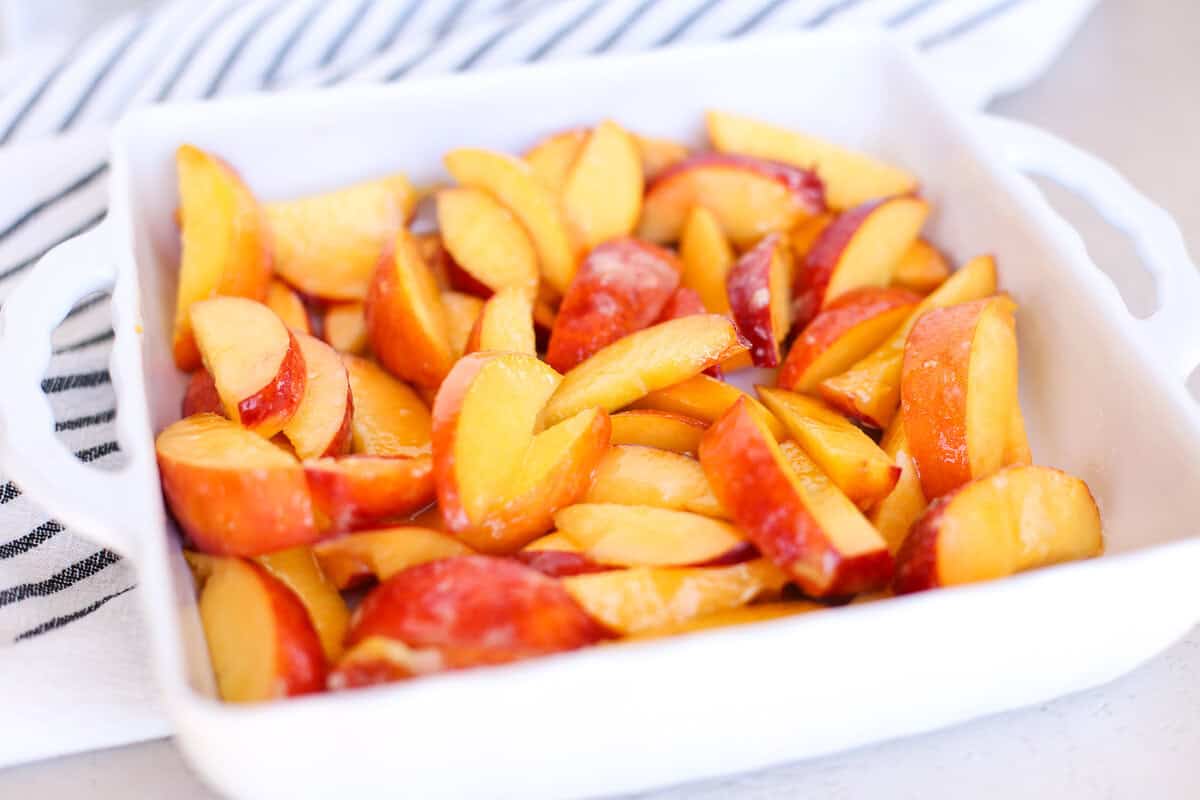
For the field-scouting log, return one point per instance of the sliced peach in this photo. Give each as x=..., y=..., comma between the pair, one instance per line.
x=321, y=424
x=345, y=327
x=354, y=492
x=806, y=234
x=551, y=542
x=439, y=260
x=602, y=196
x=505, y=322
x=841, y=335
x=642, y=362
x=861, y=247
x=706, y=399
x=498, y=483
x=1016, y=519
x=637, y=536
x=958, y=389
x=406, y=321
x=855, y=464
x=870, y=390
x=226, y=243
x=201, y=396
x=922, y=268
x=254, y=359
x=645, y=598
x=792, y=512
x=742, y=615
x=474, y=611
x=514, y=184
x=557, y=556
x=297, y=569
x=707, y=258
x=645, y=476
x=486, y=240
x=377, y=660
x=260, y=639
x=551, y=159
x=379, y=554
x=658, y=154
x=759, y=288
x=750, y=197
x=620, y=288
x=232, y=492
x=894, y=515
x=661, y=429
x=327, y=245
x=1016, y=446
x=850, y=178
x=389, y=417
x=462, y=313
x=287, y=305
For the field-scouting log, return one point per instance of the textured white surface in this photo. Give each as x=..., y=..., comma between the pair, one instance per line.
x=1124, y=91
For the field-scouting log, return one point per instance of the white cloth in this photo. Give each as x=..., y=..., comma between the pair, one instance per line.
x=73, y=671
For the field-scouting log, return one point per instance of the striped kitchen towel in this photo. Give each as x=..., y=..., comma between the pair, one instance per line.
x=73, y=671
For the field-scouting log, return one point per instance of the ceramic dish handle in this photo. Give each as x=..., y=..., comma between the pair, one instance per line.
x=33, y=456
x=1173, y=330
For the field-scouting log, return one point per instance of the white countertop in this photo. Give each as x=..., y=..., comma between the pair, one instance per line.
x=1126, y=90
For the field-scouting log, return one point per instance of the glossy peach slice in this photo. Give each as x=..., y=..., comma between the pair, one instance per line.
x=645, y=476
x=389, y=417
x=661, y=429
x=298, y=570
x=321, y=424
x=462, y=313
x=1016, y=519
x=894, y=515
x=487, y=240
x=707, y=258
x=806, y=234
x=602, y=196
x=551, y=158
x=255, y=361
x=288, y=306
x=377, y=660
x=636, y=536
x=706, y=399
x=201, y=395
x=345, y=327
x=354, y=492
x=657, y=154
x=226, y=243
x=379, y=554
x=922, y=268
x=505, y=322
x=759, y=289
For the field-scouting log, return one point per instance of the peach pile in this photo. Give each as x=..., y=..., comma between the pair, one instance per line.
x=505, y=431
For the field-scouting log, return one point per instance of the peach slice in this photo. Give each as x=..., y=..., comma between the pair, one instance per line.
x=231, y=491
x=806, y=234
x=861, y=247
x=640, y=599
x=750, y=197
x=642, y=362
x=792, y=512
x=661, y=429
x=377, y=660
x=894, y=515
x=226, y=243
x=352, y=560
x=260, y=638
x=551, y=159
x=389, y=417
x=514, y=184
x=850, y=178
x=327, y=245
x=684, y=302
x=922, y=268
x=321, y=424
x=1016, y=446
x=474, y=611
x=345, y=327
x=287, y=305
x=358, y=491
x=620, y=288
x=1016, y=519
x=838, y=337
x=854, y=463
x=645, y=476
x=706, y=399
x=645, y=536
x=406, y=321
x=505, y=322
x=498, y=483
x=298, y=570
x=707, y=258
x=759, y=288
x=742, y=615
x=870, y=390
x=486, y=240
x=602, y=196
x=255, y=361
x=958, y=389
x=557, y=556
x=658, y=154
x=462, y=312
x=201, y=396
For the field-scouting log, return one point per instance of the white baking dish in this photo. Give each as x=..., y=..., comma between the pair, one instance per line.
x=1102, y=392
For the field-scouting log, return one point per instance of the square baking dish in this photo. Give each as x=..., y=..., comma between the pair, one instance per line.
x=1102, y=392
